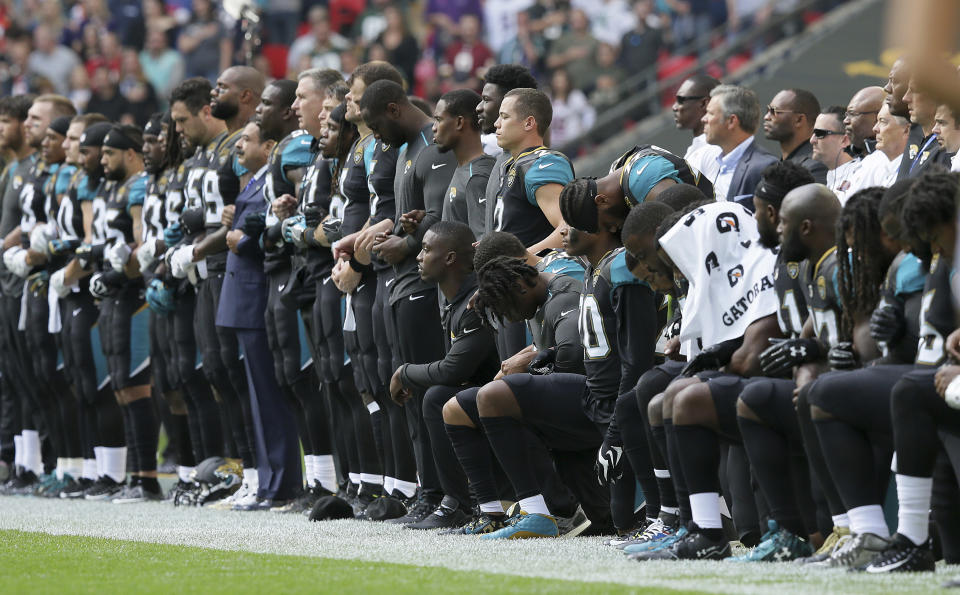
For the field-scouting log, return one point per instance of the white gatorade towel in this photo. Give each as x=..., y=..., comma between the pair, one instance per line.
x=717, y=248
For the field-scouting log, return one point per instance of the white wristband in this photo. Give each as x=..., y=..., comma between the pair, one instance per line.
x=952, y=394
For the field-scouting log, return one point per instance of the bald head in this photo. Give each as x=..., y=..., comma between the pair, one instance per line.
x=236, y=96
x=808, y=217
x=861, y=116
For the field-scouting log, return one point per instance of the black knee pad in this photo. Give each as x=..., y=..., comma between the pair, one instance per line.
x=467, y=399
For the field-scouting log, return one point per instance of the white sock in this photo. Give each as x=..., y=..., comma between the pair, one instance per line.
x=326, y=472
x=912, y=517
x=389, y=484
x=90, y=469
x=252, y=477
x=115, y=463
x=354, y=478
x=17, y=451
x=841, y=520
x=670, y=510
x=372, y=407
x=183, y=473
x=32, y=458
x=407, y=488
x=74, y=467
x=705, y=509
x=534, y=505
x=60, y=468
x=868, y=519
x=98, y=457
x=246, y=477
x=308, y=471
x=494, y=506
x=724, y=510
x=371, y=478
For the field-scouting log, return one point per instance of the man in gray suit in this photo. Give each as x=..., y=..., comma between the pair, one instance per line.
x=732, y=118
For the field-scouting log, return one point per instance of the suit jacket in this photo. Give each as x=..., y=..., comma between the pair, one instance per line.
x=803, y=156
x=243, y=299
x=747, y=175
x=925, y=149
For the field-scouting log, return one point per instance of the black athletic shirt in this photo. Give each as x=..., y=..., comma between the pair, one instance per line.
x=120, y=200
x=423, y=175
x=471, y=358
x=790, y=293
x=316, y=189
x=292, y=152
x=823, y=297
x=381, y=169
x=70, y=214
x=554, y=325
x=937, y=319
x=354, y=187
x=467, y=188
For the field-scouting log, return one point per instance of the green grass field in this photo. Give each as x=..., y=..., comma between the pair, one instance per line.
x=69, y=564
x=56, y=546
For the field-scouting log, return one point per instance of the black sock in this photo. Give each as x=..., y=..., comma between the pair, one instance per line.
x=150, y=484
x=507, y=438
x=473, y=452
x=768, y=450
x=700, y=456
x=853, y=474
x=815, y=457
x=180, y=428
x=676, y=472
x=145, y=429
x=658, y=451
x=128, y=439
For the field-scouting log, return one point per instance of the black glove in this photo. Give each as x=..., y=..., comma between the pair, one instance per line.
x=254, y=224
x=192, y=221
x=542, y=363
x=273, y=235
x=842, y=357
x=887, y=323
x=784, y=354
x=713, y=357
x=89, y=254
x=313, y=215
x=331, y=229
x=609, y=465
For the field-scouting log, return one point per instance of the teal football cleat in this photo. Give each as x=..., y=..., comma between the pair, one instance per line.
x=525, y=526
x=776, y=545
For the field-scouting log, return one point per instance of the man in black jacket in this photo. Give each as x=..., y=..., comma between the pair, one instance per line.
x=446, y=258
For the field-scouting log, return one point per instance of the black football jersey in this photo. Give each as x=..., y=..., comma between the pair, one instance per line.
x=687, y=174
x=790, y=293
x=354, y=186
x=70, y=213
x=153, y=217
x=618, y=328
x=903, y=288
x=119, y=201
x=516, y=210
x=32, y=200
x=936, y=313
x=555, y=324
x=174, y=200
x=823, y=297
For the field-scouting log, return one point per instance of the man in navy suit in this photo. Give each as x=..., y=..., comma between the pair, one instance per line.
x=732, y=118
x=243, y=304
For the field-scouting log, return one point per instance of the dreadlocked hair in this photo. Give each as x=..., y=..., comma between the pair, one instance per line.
x=577, y=204
x=497, y=243
x=172, y=150
x=863, y=265
x=931, y=201
x=498, y=282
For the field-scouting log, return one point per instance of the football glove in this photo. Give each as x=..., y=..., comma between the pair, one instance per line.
x=173, y=234
x=783, y=354
x=160, y=298
x=40, y=237
x=293, y=228
x=59, y=247
x=89, y=254
x=542, y=363
x=254, y=224
x=147, y=255
x=99, y=289
x=313, y=215
x=609, y=465
x=59, y=285
x=842, y=357
x=887, y=323
x=118, y=255
x=37, y=282
x=192, y=221
x=713, y=357
x=181, y=261
x=15, y=259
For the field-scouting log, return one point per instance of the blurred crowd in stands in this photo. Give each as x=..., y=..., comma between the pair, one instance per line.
x=125, y=56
